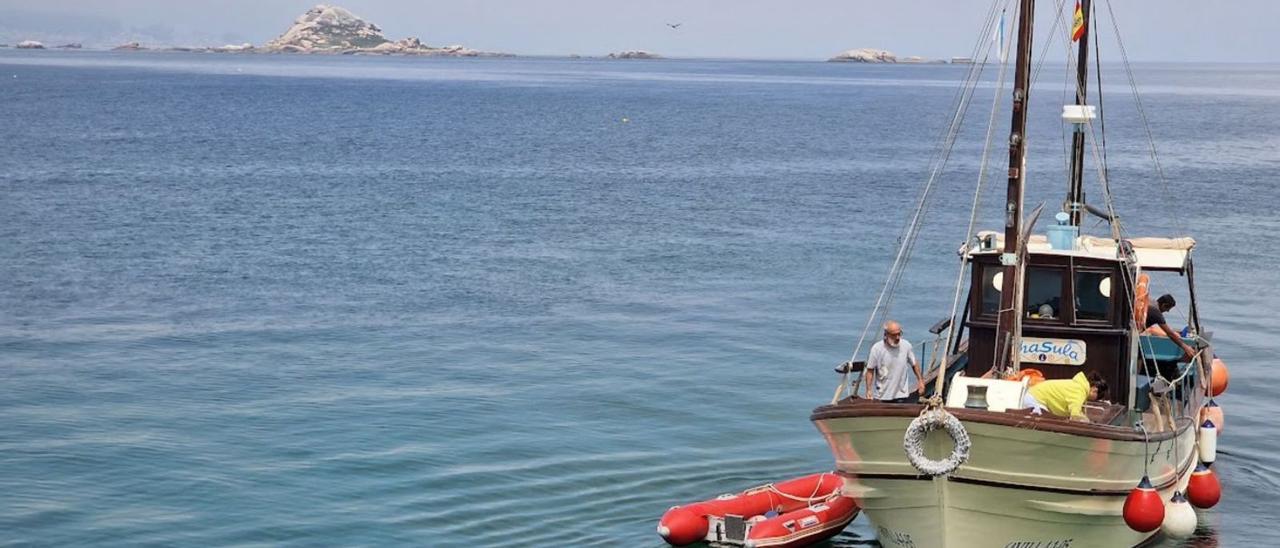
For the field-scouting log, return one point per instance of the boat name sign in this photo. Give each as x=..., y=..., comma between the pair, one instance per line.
x=1053, y=351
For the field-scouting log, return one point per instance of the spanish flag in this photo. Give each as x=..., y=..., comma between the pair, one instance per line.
x=1077, y=25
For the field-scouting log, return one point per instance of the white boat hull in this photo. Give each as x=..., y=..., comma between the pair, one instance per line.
x=1023, y=486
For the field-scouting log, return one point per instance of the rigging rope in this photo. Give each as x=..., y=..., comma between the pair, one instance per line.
x=910, y=232
x=1142, y=114
x=974, y=77
x=973, y=211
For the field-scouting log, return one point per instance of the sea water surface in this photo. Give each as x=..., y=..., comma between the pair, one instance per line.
x=304, y=301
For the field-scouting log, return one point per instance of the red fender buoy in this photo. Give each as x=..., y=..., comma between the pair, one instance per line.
x=1143, y=509
x=1203, y=489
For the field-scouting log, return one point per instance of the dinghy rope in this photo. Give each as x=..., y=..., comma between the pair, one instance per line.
x=813, y=495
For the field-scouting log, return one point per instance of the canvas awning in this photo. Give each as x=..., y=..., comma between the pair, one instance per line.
x=1152, y=253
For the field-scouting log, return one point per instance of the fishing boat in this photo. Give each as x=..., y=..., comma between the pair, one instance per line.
x=969, y=464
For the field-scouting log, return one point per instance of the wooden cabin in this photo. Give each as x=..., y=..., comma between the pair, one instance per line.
x=1077, y=314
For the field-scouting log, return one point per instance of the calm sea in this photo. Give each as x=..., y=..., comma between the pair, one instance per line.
x=299, y=301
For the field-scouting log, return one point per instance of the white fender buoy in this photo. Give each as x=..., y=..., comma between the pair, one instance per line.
x=1208, y=443
x=1179, y=518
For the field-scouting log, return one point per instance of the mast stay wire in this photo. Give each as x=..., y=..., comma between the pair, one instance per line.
x=1142, y=114
x=1057, y=22
x=971, y=85
x=973, y=211
x=911, y=230
x=977, y=199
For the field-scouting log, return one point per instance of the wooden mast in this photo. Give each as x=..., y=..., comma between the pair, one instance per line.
x=1075, y=196
x=1008, y=336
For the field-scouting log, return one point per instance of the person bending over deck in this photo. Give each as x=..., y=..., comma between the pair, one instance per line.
x=887, y=367
x=1066, y=397
x=1157, y=326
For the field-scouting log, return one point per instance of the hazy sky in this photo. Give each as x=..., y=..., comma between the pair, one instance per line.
x=1154, y=30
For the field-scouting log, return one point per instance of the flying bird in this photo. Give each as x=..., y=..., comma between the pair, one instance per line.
x=674, y=25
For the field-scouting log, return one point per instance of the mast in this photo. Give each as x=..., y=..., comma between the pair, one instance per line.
x=1008, y=336
x=1075, y=195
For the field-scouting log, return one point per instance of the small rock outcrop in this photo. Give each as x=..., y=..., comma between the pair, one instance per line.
x=232, y=48
x=918, y=60
x=864, y=55
x=634, y=54
x=331, y=29
x=29, y=44
x=130, y=46
x=73, y=45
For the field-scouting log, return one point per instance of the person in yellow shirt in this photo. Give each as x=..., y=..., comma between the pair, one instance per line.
x=1066, y=397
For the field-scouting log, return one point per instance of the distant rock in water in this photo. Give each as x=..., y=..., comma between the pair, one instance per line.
x=131, y=46
x=916, y=59
x=232, y=48
x=634, y=54
x=331, y=29
x=864, y=55
x=73, y=45
x=29, y=44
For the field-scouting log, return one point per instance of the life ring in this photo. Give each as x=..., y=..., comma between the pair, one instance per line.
x=1141, y=300
x=913, y=442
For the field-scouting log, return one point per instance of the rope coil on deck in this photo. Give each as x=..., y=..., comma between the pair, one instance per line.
x=931, y=419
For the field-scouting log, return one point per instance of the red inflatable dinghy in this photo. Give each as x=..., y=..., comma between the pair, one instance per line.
x=789, y=514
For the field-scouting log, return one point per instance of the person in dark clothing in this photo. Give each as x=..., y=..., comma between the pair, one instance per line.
x=1157, y=326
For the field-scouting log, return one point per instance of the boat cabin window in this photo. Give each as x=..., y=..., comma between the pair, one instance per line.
x=1093, y=296
x=1043, y=297
x=992, y=285
x=1044, y=294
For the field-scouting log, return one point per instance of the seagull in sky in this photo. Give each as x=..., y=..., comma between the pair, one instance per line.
x=674, y=25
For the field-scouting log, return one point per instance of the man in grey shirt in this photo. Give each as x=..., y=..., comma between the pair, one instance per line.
x=887, y=368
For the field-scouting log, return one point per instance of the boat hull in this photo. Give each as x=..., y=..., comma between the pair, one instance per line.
x=1030, y=482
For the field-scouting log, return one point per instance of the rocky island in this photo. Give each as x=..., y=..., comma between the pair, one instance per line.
x=29, y=44
x=334, y=30
x=864, y=55
x=634, y=54
x=871, y=55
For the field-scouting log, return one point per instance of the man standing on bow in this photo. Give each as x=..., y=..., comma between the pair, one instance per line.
x=887, y=366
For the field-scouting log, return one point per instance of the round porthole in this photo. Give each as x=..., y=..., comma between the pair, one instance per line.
x=1104, y=287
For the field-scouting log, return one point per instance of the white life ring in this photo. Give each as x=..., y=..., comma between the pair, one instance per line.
x=913, y=442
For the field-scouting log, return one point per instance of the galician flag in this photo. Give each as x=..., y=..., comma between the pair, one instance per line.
x=1077, y=25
